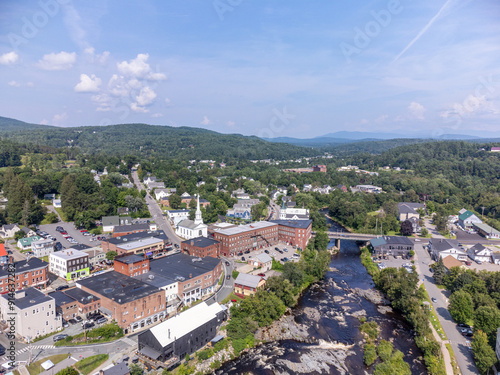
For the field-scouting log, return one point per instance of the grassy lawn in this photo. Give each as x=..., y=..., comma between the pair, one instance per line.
x=230, y=297
x=61, y=214
x=36, y=367
x=429, y=235
x=87, y=365
x=433, y=317
x=454, y=364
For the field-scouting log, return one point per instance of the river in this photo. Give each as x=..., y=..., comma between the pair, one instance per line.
x=328, y=313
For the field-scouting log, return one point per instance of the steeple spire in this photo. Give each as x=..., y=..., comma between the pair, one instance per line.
x=198, y=219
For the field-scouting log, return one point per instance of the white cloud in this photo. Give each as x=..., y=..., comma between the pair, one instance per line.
x=20, y=84
x=231, y=124
x=60, y=118
x=364, y=121
x=167, y=100
x=57, y=61
x=14, y=84
x=9, y=58
x=156, y=115
x=88, y=84
x=472, y=105
x=103, y=102
x=139, y=68
x=117, y=86
x=137, y=108
x=417, y=110
x=381, y=119
x=92, y=57
x=145, y=97
x=205, y=121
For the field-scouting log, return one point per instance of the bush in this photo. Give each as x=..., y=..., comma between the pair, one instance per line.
x=384, y=350
x=215, y=364
x=370, y=329
x=204, y=354
x=370, y=355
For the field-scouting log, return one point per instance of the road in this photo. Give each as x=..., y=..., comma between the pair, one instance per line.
x=462, y=353
x=274, y=212
x=157, y=213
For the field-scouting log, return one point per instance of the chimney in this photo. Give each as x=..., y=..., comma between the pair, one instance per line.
x=190, y=275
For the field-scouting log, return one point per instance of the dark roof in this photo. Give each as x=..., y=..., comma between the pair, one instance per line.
x=137, y=236
x=32, y=297
x=444, y=244
x=61, y=298
x=118, y=369
x=25, y=266
x=398, y=240
x=80, y=246
x=80, y=295
x=118, y=287
x=301, y=224
x=201, y=242
x=129, y=259
x=477, y=248
x=129, y=228
x=177, y=267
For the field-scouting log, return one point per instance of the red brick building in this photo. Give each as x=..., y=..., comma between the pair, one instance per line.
x=240, y=238
x=294, y=232
x=319, y=168
x=201, y=247
x=123, y=230
x=23, y=274
x=131, y=265
x=130, y=302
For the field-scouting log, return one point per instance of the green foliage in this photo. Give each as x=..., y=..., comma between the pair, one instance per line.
x=384, y=350
x=19, y=234
x=235, y=274
x=484, y=355
x=215, y=364
x=87, y=365
x=367, y=261
x=276, y=265
x=370, y=329
x=393, y=365
x=68, y=371
x=204, y=354
x=293, y=273
x=184, y=369
x=461, y=306
x=110, y=255
x=282, y=288
x=487, y=319
x=370, y=355
x=424, y=232
x=51, y=218
x=439, y=271
x=166, y=372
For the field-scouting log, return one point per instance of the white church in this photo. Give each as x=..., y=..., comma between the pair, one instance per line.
x=192, y=228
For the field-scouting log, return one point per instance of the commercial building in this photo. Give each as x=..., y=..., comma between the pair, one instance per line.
x=262, y=261
x=34, y=313
x=486, y=230
x=234, y=240
x=66, y=306
x=443, y=247
x=25, y=273
x=247, y=285
x=130, y=302
x=294, y=232
x=148, y=246
x=123, y=230
x=182, y=334
x=131, y=265
x=467, y=219
x=391, y=245
x=87, y=303
x=110, y=244
x=96, y=255
x=69, y=264
x=201, y=247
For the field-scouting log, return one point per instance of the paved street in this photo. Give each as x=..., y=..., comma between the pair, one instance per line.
x=157, y=213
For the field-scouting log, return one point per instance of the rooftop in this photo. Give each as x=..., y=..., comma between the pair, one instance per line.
x=27, y=241
x=246, y=279
x=22, y=266
x=110, y=220
x=444, y=244
x=130, y=228
x=61, y=298
x=137, y=236
x=80, y=295
x=139, y=243
x=300, y=224
x=69, y=254
x=450, y=261
x=487, y=229
x=117, y=287
x=28, y=297
x=201, y=242
x=129, y=259
x=246, y=228
x=79, y=246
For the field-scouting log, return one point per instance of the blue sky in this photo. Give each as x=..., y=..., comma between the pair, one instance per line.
x=271, y=69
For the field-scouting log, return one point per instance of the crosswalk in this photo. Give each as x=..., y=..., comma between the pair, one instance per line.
x=34, y=347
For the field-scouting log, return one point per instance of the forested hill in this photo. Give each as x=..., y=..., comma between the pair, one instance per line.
x=162, y=141
x=10, y=124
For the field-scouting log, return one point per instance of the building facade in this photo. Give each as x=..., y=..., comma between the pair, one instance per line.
x=247, y=285
x=131, y=265
x=391, y=245
x=69, y=264
x=192, y=228
x=42, y=247
x=23, y=274
x=201, y=247
x=294, y=232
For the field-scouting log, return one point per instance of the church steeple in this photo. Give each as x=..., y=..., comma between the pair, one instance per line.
x=198, y=219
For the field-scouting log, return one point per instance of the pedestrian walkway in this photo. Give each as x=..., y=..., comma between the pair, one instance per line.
x=34, y=347
x=129, y=341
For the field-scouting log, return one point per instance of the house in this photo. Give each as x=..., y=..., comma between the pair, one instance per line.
x=33, y=312
x=131, y=302
x=4, y=257
x=292, y=213
x=164, y=193
x=485, y=230
x=280, y=190
x=9, y=230
x=109, y=222
x=246, y=285
x=192, y=228
x=182, y=334
x=342, y=187
x=149, y=179
x=42, y=247
x=120, y=368
x=391, y=245
x=96, y=255
x=495, y=258
x=69, y=264
x=408, y=210
x=319, y=168
x=66, y=306
x=49, y=197
x=467, y=219
x=177, y=216
x=450, y=261
x=56, y=203
x=262, y=261
x=156, y=185
x=28, y=232
x=26, y=242
x=480, y=253
x=307, y=187
x=444, y=247
x=29, y=272
x=495, y=149
x=243, y=209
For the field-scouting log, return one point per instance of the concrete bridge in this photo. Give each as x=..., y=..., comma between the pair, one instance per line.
x=358, y=237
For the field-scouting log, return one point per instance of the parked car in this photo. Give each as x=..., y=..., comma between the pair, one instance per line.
x=101, y=320
x=247, y=251
x=279, y=251
x=266, y=251
x=60, y=337
x=78, y=318
x=62, y=287
x=261, y=274
x=285, y=250
x=88, y=325
x=227, y=263
x=433, y=299
x=2, y=350
x=479, y=262
x=72, y=321
x=65, y=323
x=243, y=259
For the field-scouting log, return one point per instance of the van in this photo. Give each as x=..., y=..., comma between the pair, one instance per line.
x=101, y=320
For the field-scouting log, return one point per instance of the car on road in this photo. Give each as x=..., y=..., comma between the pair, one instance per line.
x=87, y=325
x=433, y=299
x=468, y=263
x=78, y=318
x=261, y=274
x=60, y=337
x=417, y=240
x=227, y=263
x=247, y=251
x=228, y=277
x=463, y=325
x=62, y=287
x=266, y=251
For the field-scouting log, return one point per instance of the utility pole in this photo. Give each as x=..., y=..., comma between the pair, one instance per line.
x=483, y=212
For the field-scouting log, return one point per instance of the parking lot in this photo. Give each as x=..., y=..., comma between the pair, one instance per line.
x=70, y=229
x=285, y=251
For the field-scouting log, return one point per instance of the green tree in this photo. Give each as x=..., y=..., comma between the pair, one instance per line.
x=174, y=201
x=110, y=255
x=293, y=273
x=370, y=355
x=68, y=371
x=384, y=350
x=487, y=319
x=135, y=369
x=461, y=306
x=439, y=271
x=406, y=228
x=51, y=218
x=483, y=353
x=19, y=234
x=321, y=240
x=424, y=232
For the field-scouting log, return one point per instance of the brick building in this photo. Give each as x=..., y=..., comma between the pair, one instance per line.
x=319, y=168
x=123, y=230
x=294, y=232
x=131, y=265
x=234, y=240
x=66, y=306
x=147, y=246
x=29, y=272
x=201, y=247
x=130, y=302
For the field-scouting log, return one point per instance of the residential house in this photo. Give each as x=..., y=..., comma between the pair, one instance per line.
x=177, y=216
x=33, y=312
x=56, y=203
x=450, y=261
x=247, y=285
x=292, y=213
x=243, y=209
x=486, y=230
x=96, y=255
x=444, y=247
x=156, y=185
x=307, y=187
x=391, y=245
x=110, y=222
x=366, y=189
x=480, y=253
x=495, y=258
x=319, y=168
x=408, y=210
x=120, y=368
x=467, y=219
x=42, y=247
x=164, y=193
x=49, y=197
x=262, y=261
x=9, y=230
x=28, y=232
x=182, y=334
x=26, y=242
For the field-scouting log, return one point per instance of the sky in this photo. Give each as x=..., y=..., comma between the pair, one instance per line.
x=284, y=68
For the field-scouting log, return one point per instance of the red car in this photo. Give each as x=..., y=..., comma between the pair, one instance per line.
x=83, y=230
x=234, y=300
x=64, y=233
x=261, y=274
